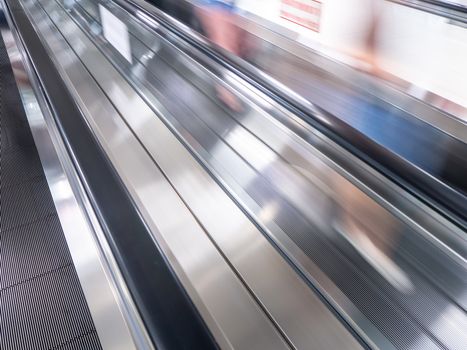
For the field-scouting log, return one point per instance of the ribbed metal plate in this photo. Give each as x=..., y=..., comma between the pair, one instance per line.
x=42, y=305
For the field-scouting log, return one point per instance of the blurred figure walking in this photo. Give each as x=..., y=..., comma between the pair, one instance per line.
x=218, y=21
x=368, y=228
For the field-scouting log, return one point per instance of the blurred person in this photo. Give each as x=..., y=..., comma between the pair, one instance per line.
x=382, y=122
x=370, y=229
x=365, y=49
x=369, y=54
x=218, y=21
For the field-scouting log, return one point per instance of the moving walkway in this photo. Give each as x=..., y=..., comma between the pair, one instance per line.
x=190, y=224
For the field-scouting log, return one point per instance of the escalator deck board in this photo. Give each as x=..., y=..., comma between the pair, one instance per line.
x=42, y=305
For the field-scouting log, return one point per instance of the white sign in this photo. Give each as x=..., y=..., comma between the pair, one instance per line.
x=116, y=32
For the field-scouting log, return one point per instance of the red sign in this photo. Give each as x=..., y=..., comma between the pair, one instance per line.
x=306, y=13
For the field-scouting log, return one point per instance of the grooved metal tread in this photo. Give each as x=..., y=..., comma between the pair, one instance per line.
x=42, y=305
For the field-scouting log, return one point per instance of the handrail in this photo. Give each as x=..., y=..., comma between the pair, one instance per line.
x=447, y=9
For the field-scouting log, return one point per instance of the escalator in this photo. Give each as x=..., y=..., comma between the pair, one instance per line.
x=42, y=304
x=215, y=227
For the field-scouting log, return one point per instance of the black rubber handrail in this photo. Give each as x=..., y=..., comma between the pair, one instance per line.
x=168, y=313
x=447, y=9
x=449, y=5
x=442, y=5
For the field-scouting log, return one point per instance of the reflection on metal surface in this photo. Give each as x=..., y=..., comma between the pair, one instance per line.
x=292, y=306
x=290, y=54
x=433, y=140
x=233, y=316
x=391, y=267
x=116, y=320
x=211, y=131
x=378, y=260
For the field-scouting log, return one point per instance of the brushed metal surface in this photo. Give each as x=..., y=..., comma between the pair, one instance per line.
x=111, y=311
x=232, y=314
x=267, y=163
x=233, y=147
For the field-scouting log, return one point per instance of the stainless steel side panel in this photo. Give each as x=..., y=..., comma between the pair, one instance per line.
x=114, y=315
x=191, y=164
x=232, y=314
x=242, y=149
x=299, y=314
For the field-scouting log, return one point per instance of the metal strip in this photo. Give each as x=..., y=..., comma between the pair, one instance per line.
x=209, y=203
x=116, y=320
x=233, y=317
x=259, y=123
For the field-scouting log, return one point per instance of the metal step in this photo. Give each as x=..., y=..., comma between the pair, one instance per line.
x=42, y=305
